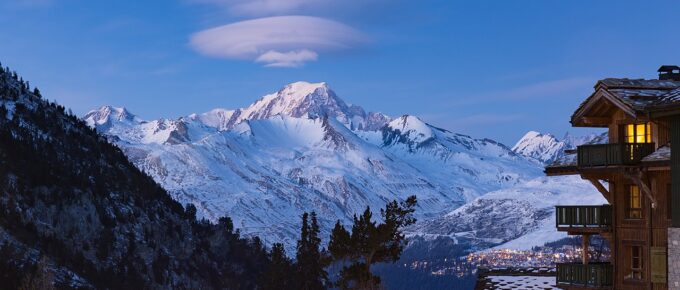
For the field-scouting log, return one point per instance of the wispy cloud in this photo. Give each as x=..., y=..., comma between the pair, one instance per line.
x=288, y=59
x=545, y=89
x=281, y=41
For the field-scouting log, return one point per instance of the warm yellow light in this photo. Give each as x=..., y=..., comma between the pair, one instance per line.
x=634, y=197
x=638, y=133
x=630, y=130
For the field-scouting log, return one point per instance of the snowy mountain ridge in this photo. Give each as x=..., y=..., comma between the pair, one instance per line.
x=546, y=148
x=303, y=148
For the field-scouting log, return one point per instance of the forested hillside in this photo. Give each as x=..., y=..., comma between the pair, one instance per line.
x=72, y=200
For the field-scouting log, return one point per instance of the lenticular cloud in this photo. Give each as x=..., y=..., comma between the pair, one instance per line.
x=283, y=41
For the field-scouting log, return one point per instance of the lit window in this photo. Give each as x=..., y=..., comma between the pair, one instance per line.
x=634, y=202
x=638, y=133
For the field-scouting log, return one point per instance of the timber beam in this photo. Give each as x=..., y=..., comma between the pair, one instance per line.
x=601, y=188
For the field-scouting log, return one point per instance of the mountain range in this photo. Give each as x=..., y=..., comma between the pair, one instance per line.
x=303, y=148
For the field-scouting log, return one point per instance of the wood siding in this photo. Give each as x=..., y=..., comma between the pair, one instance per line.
x=650, y=230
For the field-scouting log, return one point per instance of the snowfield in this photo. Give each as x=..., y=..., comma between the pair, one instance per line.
x=303, y=148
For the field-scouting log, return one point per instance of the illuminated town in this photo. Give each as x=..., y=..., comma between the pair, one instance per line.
x=541, y=257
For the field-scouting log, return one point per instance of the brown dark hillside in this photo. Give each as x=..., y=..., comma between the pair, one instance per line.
x=72, y=198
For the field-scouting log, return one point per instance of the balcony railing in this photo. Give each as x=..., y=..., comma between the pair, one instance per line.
x=583, y=217
x=612, y=154
x=596, y=275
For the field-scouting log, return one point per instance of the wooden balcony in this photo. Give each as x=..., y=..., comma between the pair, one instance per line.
x=583, y=219
x=612, y=154
x=592, y=275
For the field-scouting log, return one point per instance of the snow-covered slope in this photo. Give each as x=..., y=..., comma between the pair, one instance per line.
x=545, y=148
x=303, y=148
x=519, y=217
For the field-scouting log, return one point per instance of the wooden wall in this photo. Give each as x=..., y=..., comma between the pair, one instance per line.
x=660, y=133
x=650, y=231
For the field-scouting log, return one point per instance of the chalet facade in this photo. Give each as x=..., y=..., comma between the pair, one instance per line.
x=640, y=178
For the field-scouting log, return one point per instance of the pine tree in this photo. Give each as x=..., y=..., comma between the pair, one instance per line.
x=278, y=275
x=338, y=246
x=36, y=92
x=310, y=261
x=370, y=243
x=190, y=211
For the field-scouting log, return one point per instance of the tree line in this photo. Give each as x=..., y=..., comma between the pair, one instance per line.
x=353, y=251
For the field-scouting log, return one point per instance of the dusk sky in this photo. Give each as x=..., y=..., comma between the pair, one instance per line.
x=491, y=69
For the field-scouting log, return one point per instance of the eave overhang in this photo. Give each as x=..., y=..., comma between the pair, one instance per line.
x=597, y=109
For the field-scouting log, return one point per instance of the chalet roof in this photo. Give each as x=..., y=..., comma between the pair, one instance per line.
x=632, y=95
x=639, y=93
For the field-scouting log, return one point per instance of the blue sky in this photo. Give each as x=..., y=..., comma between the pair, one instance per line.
x=486, y=68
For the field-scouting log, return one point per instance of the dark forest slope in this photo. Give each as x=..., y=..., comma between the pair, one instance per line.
x=68, y=195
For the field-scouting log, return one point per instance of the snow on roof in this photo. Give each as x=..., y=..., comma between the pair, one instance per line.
x=521, y=282
x=517, y=278
x=638, y=94
x=661, y=154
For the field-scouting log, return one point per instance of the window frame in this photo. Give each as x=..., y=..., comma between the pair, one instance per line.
x=632, y=273
x=633, y=139
x=630, y=210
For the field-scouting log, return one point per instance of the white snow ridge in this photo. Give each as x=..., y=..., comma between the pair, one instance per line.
x=303, y=148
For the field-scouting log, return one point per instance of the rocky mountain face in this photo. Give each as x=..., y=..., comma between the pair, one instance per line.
x=545, y=148
x=72, y=199
x=303, y=148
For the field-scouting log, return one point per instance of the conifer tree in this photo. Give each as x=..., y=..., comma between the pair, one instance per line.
x=278, y=275
x=36, y=92
x=311, y=274
x=370, y=243
x=190, y=211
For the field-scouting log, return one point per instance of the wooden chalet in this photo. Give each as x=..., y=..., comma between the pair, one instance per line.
x=639, y=177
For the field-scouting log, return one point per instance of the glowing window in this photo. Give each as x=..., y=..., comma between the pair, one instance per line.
x=638, y=133
x=634, y=202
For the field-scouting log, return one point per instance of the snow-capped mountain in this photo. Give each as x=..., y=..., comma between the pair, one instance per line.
x=297, y=100
x=545, y=148
x=303, y=148
x=103, y=118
